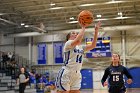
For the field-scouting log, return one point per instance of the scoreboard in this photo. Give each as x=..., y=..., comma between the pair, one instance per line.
x=102, y=49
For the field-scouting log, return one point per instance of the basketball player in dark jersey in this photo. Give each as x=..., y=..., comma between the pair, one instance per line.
x=115, y=73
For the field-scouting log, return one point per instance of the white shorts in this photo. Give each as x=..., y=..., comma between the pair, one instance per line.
x=68, y=80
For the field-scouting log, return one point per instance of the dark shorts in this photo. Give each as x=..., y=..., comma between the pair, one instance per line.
x=117, y=89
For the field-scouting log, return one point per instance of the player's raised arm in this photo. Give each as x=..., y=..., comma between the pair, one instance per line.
x=78, y=38
x=93, y=44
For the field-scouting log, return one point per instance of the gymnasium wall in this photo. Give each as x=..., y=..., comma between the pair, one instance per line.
x=132, y=44
x=97, y=76
x=6, y=44
x=116, y=42
x=136, y=76
x=19, y=45
x=49, y=54
x=22, y=48
x=48, y=40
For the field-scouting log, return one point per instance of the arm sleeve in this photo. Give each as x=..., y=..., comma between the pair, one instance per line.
x=106, y=73
x=126, y=72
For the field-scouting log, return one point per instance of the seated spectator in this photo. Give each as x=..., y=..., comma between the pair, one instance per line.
x=50, y=87
x=32, y=79
x=40, y=82
x=4, y=59
x=10, y=55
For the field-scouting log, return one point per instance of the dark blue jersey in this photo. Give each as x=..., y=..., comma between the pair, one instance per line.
x=115, y=75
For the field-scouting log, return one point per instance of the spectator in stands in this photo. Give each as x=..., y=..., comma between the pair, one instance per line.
x=32, y=79
x=50, y=87
x=11, y=64
x=44, y=79
x=42, y=82
x=4, y=59
x=22, y=80
x=10, y=55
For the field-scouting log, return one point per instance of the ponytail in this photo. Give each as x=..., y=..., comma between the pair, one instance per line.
x=68, y=36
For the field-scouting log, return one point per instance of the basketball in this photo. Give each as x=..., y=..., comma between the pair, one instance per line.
x=85, y=18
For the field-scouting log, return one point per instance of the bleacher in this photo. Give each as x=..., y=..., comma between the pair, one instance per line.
x=8, y=76
x=8, y=85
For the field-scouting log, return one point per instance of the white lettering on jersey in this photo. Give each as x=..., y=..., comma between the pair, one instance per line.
x=73, y=56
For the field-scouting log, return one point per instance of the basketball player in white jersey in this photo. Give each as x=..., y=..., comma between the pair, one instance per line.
x=69, y=77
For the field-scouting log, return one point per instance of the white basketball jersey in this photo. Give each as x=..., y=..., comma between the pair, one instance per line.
x=73, y=56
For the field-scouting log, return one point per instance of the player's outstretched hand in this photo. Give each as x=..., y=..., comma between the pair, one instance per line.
x=129, y=81
x=97, y=26
x=83, y=27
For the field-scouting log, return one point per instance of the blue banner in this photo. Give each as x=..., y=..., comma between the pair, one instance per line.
x=87, y=79
x=42, y=53
x=58, y=52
